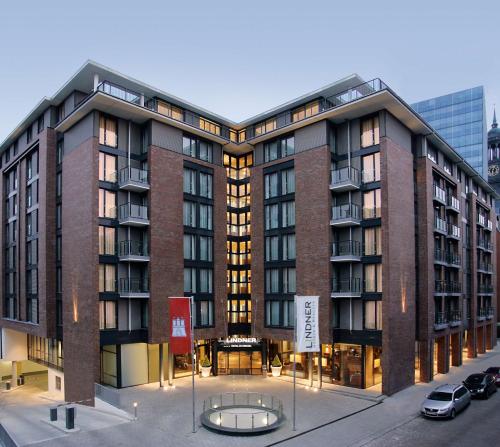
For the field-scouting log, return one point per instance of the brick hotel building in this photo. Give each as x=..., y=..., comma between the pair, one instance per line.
x=117, y=195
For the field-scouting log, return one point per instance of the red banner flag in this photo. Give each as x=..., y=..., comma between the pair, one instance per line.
x=180, y=325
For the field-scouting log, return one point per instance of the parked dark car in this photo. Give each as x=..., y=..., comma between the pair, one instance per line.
x=495, y=372
x=481, y=385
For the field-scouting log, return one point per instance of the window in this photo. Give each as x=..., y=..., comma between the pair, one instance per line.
x=265, y=126
x=60, y=152
x=206, y=280
x=29, y=134
x=197, y=148
x=189, y=146
x=272, y=280
x=32, y=223
x=189, y=280
x=432, y=154
x=40, y=124
x=271, y=216
x=206, y=250
x=189, y=181
x=289, y=284
x=58, y=216
x=370, y=134
x=206, y=181
x=58, y=184
x=108, y=131
x=209, y=126
x=107, y=167
x=190, y=247
x=373, y=315
x=170, y=110
x=288, y=213
x=373, y=277
x=206, y=151
x=371, y=168
x=287, y=181
x=107, y=244
x=272, y=313
x=289, y=253
x=305, y=111
x=107, y=315
x=288, y=313
x=271, y=185
x=272, y=248
x=107, y=204
x=189, y=214
x=280, y=148
x=371, y=204
x=447, y=167
x=206, y=313
x=373, y=241
x=29, y=196
x=107, y=278
x=206, y=216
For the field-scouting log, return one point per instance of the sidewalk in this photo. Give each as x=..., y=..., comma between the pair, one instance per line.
x=394, y=411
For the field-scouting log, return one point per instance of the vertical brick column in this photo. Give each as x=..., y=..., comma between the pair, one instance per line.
x=480, y=335
x=456, y=349
x=442, y=355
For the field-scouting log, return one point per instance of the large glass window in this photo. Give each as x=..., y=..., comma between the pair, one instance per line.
x=206, y=250
x=107, y=244
x=108, y=131
x=280, y=148
x=288, y=213
x=107, y=167
x=189, y=146
x=271, y=216
x=107, y=278
x=288, y=313
x=371, y=168
x=306, y=111
x=373, y=241
x=107, y=204
x=189, y=181
x=373, y=315
x=190, y=247
x=206, y=216
x=273, y=313
x=370, y=134
x=288, y=181
x=289, y=283
x=189, y=280
x=107, y=315
x=206, y=185
x=272, y=248
x=372, y=204
x=373, y=277
x=271, y=185
x=189, y=211
x=289, y=253
x=206, y=312
x=206, y=280
x=272, y=280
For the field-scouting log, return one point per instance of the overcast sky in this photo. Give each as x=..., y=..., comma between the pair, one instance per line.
x=240, y=58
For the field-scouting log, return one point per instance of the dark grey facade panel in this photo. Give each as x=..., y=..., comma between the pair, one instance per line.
x=397, y=132
x=79, y=133
x=309, y=137
x=165, y=136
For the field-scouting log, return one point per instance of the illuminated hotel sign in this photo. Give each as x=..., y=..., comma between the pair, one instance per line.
x=240, y=342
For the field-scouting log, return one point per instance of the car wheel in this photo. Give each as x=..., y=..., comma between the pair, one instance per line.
x=453, y=414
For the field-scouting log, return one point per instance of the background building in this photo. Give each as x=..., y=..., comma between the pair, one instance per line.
x=117, y=195
x=460, y=118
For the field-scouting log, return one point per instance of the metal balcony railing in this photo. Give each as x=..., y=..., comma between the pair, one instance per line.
x=453, y=202
x=440, y=224
x=344, y=176
x=485, y=288
x=346, y=211
x=133, y=248
x=485, y=267
x=351, y=286
x=439, y=193
x=346, y=248
x=453, y=230
x=130, y=210
x=440, y=318
x=134, y=285
x=481, y=220
x=453, y=258
x=454, y=316
x=135, y=175
x=442, y=286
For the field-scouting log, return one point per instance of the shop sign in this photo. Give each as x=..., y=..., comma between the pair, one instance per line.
x=240, y=342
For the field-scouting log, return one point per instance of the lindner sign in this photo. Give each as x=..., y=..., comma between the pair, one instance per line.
x=306, y=308
x=180, y=325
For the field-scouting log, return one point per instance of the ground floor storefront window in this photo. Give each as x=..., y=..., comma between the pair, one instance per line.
x=183, y=365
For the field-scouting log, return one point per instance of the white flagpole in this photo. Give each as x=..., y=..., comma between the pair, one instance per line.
x=191, y=300
x=294, y=358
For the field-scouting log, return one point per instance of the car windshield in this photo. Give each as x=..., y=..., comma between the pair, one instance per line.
x=439, y=395
x=492, y=370
x=475, y=379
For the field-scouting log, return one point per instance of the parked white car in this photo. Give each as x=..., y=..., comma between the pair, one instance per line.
x=446, y=401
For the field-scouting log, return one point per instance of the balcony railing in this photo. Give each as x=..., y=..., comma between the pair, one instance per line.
x=440, y=320
x=348, y=286
x=133, y=285
x=490, y=312
x=133, y=248
x=454, y=317
x=439, y=193
x=482, y=313
x=348, y=211
x=453, y=202
x=440, y=255
x=442, y=286
x=440, y=224
x=453, y=231
x=345, y=178
x=132, y=211
x=453, y=258
x=346, y=248
x=134, y=175
x=481, y=220
x=489, y=225
x=485, y=267
x=484, y=244
x=485, y=288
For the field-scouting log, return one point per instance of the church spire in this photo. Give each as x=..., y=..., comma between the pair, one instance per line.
x=494, y=124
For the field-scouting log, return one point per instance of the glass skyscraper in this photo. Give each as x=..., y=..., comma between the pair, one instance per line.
x=460, y=118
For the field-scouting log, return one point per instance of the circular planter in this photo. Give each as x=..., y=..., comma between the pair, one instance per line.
x=205, y=371
x=276, y=371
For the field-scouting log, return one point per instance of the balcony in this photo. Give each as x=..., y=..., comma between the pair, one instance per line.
x=490, y=313
x=134, y=179
x=439, y=194
x=453, y=259
x=453, y=204
x=440, y=321
x=489, y=225
x=485, y=289
x=347, y=288
x=482, y=313
x=447, y=287
x=453, y=231
x=133, y=215
x=440, y=256
x=346, y=251
x=133, y=251
x=345, y=179
x=454, y=318
x=133, y=288
x=440, y=226
x=345, y=215
x=484, y=267
x=484, y=244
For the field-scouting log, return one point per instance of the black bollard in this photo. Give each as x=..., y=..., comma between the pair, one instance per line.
x=70, y=418
x=53, y=414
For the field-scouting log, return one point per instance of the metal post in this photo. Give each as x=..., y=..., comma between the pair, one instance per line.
x=192, y=360
x=310, y=355
x=235, y=421
x=294, y=362
x=162, y=373
x=252, y=422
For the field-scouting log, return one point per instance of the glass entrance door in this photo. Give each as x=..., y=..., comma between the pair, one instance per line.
x=239, y=362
